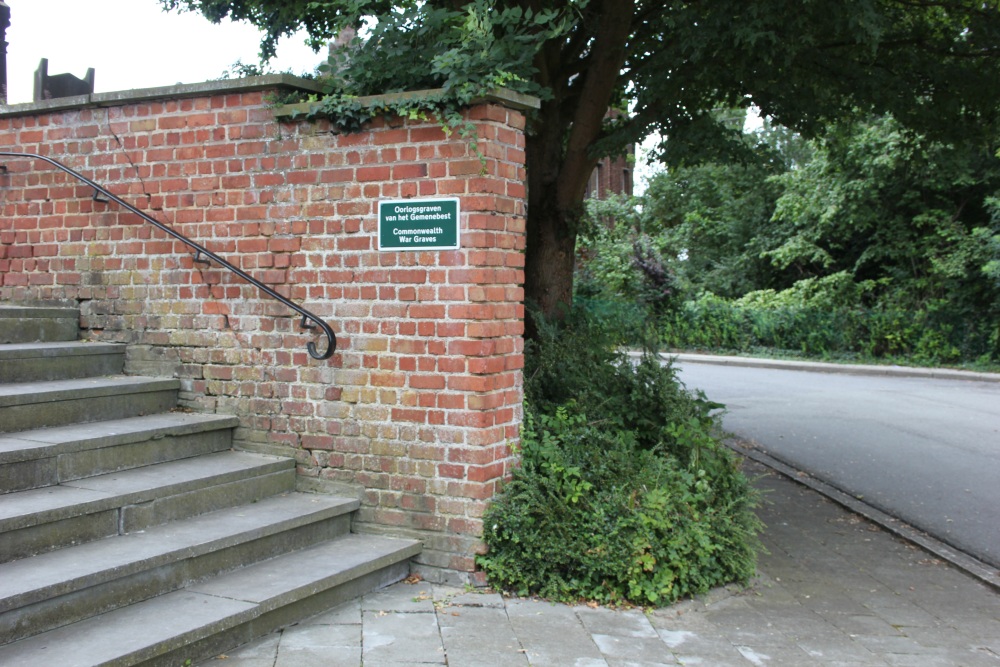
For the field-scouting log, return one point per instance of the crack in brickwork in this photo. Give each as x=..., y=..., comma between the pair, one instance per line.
x=124, y=152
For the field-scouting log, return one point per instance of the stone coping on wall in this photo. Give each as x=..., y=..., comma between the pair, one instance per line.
x=507, y=98
x=178, y=91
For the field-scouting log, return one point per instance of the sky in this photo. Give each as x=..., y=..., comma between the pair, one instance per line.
x=131, y=44
x=134, y=44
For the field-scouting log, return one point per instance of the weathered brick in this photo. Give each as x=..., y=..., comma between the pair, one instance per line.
x=424, y=392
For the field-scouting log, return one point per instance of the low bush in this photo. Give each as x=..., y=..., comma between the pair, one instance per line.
x=624, y=494
x=935, y=335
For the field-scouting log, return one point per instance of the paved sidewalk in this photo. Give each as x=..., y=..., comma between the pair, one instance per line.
x=835, y=590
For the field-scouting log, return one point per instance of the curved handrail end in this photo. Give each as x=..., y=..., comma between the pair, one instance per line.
x=331, y=338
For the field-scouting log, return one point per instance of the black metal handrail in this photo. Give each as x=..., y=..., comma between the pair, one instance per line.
x=202, y=255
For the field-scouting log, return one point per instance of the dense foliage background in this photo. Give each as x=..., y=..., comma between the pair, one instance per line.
x=872, y=242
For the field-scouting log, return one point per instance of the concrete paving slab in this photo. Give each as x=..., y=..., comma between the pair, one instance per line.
x=858, y=624
x=330, y=656
x=889, y=644
x=707, y=650
x=311, y=636
x=480, y=636
x=677, y=638
x=743, y=624
x=835, y=649
x=640, y=663
x=330, y=639
x=261, y=653
x=905, y=615
x=401, y=638
x=630, y=623
x=951, y=659
x=775, y=656
x=409, y=599
x=552, y=634
x=714, y=661
x=320, y=646
x=834, y=591
x=641, y=650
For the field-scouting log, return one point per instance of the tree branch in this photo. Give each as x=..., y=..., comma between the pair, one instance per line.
x=607, y=55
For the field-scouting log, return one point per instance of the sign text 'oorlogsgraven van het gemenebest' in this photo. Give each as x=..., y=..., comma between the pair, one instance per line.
x=418, y=224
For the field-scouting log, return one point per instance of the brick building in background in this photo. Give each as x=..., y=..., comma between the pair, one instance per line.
x=613, y=175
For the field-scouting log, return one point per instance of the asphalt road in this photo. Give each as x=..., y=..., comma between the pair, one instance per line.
x=924, y=450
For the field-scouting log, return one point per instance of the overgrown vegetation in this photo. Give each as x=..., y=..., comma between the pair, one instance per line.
x=478, y=48
x=625, y=494
x=672, y=65
x=873, y=243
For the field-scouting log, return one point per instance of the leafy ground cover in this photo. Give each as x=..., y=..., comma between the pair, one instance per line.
x=625, y=494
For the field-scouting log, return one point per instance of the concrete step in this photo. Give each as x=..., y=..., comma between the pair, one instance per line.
x=203, y=620
x=65, y=586
x=30, y=405
x=130, y=534
x=49, y=456
x=41, y=520
x=35, y=362
x=25, y=324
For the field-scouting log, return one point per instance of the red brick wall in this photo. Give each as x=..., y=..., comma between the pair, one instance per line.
x=416, y=410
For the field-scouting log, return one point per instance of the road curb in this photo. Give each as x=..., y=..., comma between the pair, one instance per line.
x=961, y=560
x=826, y=367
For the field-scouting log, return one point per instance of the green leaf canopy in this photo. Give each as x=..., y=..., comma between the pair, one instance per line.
x=933, y=64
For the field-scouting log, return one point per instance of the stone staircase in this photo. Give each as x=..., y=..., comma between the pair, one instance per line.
x=130, y=533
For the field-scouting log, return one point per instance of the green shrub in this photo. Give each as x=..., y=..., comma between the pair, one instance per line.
x=633, y=321
x=708, y=323
x=624, y=493
x=936, y=334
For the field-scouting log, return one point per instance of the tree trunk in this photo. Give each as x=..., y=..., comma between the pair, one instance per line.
x=559, y=163
x=550, y=253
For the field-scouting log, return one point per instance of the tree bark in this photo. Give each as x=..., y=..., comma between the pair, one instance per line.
x=551, y=245
x=559, y=162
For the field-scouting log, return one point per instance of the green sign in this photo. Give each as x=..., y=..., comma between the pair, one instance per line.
x=418, y=224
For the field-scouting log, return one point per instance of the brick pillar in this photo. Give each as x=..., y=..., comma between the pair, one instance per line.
x=428, y=386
